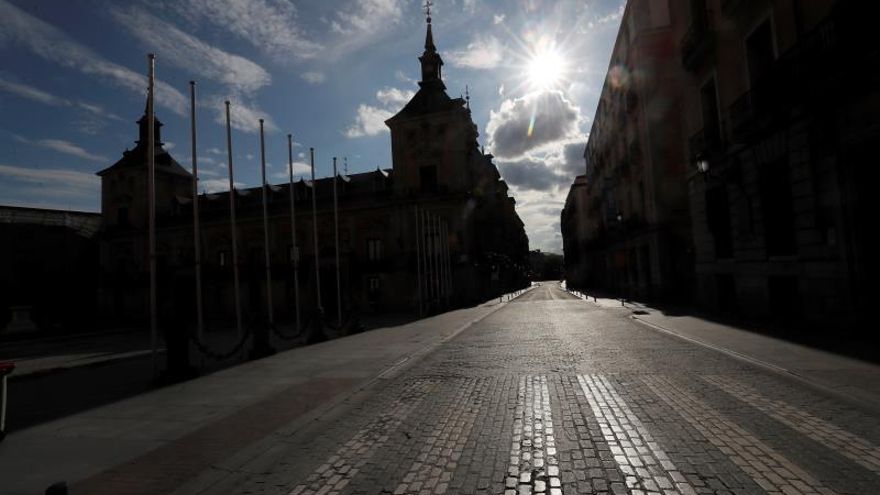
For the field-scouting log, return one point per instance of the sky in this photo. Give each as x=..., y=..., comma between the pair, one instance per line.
x=73, y=83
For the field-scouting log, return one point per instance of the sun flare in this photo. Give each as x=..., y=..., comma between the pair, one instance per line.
x=545, y=69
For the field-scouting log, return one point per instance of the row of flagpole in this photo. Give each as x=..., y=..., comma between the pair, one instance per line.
x=433, y=268
x=151, y=192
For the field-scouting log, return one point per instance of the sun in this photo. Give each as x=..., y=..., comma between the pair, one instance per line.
x=546, y=68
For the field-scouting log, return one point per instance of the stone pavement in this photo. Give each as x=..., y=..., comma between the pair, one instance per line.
x=546, y=394
x=856, y=379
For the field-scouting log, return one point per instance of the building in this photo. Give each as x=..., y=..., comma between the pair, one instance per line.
x=781, y=112
x=732, y=145
x=435, y=231
x=633, y=226
x=42, y=286
x=574, y=233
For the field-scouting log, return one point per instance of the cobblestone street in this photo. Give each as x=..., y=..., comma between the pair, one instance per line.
x=552, y=394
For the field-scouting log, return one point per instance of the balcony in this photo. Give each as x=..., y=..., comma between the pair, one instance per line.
x=698, y=42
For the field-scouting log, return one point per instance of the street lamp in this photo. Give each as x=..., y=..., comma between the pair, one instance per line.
x=703, y=165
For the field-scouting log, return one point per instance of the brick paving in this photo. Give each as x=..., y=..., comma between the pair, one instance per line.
x=553, y=395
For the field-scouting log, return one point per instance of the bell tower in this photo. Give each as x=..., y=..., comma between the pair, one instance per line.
x=432, y=63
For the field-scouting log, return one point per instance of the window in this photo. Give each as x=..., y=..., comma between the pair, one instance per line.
x=373, y=284
x=222, y=258
x=292, y=253
x=428, y=178
x=374, y=249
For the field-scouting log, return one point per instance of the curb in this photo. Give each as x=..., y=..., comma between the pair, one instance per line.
x=871, y=404
x=90, y=364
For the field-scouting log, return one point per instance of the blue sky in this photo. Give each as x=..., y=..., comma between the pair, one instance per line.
x=72, y=83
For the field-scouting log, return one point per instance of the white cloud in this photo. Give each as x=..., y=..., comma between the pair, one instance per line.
x=187, y=52
x=484, y=52
x=539, y=211
x=52, y=182
x=367, y=16
x=242, y=116
x=45, y=41
x=393, y=97
x=402, y=77
x=551, y=168
x=299, y=169
x=370, y=119
x=313, y=77
x=530, y=122
x=497, y=18
x=62, y=146
x=217, y=185
x=360, y=23
x=34, y=94
x=268, y=25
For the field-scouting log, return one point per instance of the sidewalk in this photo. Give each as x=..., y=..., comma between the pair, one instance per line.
x=854, y=379
x=193, y=425
x=50, y=354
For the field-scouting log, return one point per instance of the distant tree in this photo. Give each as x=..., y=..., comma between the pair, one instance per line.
x=545, y=266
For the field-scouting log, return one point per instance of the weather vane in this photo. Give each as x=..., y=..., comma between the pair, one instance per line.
x=345, y=165
x=467, y=96
x=428, y=4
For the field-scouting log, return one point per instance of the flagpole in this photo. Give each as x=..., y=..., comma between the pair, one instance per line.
x=315, y=227
x=233, y=228
x=426, y=223
x=448, y=271
x=418, y=258
x=441, y=280
x=270, y=313
x=151, y=205
x=436, y=227
x=293, y=230
x=336, y=233
x=197, y=241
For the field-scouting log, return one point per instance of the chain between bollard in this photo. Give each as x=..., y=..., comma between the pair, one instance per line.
x=220, y=356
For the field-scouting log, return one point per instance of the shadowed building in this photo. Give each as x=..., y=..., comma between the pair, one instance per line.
x=781, y=108
x=633, y=226
x=48, y=276
x=437, y=230
x=574, y=233
x=731, y=157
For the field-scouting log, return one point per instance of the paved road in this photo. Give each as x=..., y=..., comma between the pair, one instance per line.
x=554, y=395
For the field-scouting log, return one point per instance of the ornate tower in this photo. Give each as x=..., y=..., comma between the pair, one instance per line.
x=433, y=139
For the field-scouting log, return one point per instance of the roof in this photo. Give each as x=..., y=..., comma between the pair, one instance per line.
x=137, y=159
x=83, y=223
x=428, y=100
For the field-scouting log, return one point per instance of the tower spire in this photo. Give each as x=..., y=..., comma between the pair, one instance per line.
x=143, y=128
x=432, y=64
x=429, y=37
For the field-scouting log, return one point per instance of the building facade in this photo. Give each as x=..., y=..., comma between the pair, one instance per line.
x=757, y=168
x=435, y=231
x=43, y=287
x=634, y=217
x=781, y=112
